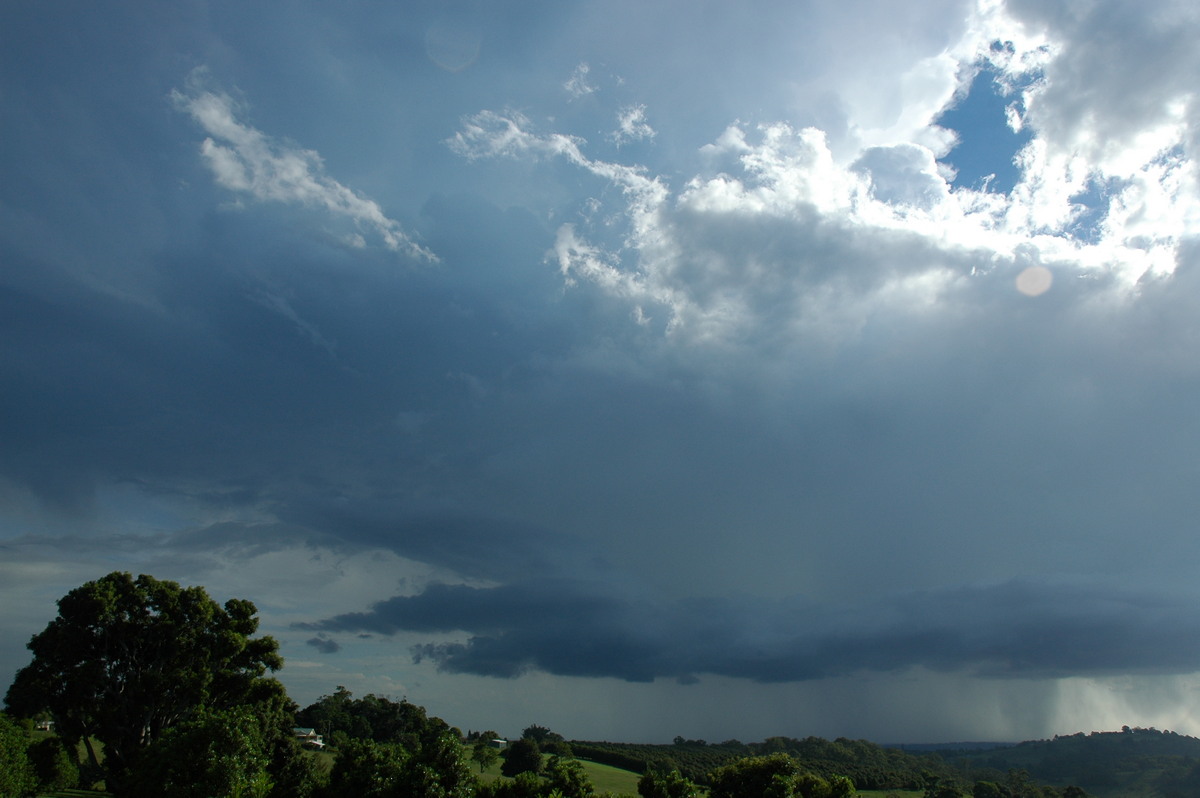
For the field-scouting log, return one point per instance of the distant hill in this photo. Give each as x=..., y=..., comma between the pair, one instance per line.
x=1131, y=763
x=1146, y=763
x=966, y=746
x=869, y=766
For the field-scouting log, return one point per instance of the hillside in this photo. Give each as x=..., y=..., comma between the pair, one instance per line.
x=1131, y=762
x=870, y=766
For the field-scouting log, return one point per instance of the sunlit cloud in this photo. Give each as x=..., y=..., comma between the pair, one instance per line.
x=247, y=161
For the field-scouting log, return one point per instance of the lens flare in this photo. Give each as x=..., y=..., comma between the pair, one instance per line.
x=1034, y=281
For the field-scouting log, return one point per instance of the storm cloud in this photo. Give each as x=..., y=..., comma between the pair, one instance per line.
x=1011, y=630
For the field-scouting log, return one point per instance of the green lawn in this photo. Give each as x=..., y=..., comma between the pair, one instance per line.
x=606, y=778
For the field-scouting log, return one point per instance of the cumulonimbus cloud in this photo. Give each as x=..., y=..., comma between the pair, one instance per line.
x=245, y=160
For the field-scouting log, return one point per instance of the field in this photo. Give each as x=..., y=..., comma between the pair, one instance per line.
x=605, y=778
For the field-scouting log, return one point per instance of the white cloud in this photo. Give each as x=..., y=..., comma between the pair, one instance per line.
x=632, y=126
x=247, y=161
x=577, y=85
x=1101, y=191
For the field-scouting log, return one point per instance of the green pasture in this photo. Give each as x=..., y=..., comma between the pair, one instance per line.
x=605, y=778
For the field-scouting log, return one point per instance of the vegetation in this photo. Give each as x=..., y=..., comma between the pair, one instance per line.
x=1131, y=762
x=127, y=659
x=16, y=773
x=869, y=766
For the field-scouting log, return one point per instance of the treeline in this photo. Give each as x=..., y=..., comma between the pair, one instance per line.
x=1132, y=761
x=869, y=766
x=693, y=761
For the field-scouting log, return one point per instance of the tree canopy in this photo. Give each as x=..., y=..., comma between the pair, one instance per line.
x=126, y=659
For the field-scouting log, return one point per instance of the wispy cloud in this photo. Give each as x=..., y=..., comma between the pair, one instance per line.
x=577, y=85
x=245, y=160
x=632, y=126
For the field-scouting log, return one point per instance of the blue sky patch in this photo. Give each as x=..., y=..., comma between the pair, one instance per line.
x=987, y=145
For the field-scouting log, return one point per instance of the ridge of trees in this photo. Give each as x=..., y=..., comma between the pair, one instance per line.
x=1130, y=761
x=870, y=766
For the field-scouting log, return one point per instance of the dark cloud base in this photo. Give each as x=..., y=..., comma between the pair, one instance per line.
x=1017, y=629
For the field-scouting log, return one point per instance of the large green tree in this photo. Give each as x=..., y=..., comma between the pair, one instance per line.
x=126, y=659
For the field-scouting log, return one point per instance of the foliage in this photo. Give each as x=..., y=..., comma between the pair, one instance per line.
x=693, y=759
x=430, y=762
x=1132, y=761
x=127, y=659
x=17, y=777
x=53, y=765
x=522, y=756
x=548, y=742
x=774, y=776
x=567, y=777
x=669, y=785
x=523, y=785
x=483, y=753
x=369, y=718
x=366, y=769
x=221, y=753
x=539, y=734
x=869, y=766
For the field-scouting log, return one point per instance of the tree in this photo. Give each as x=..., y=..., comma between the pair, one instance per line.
x=523, y=785
x=367, y=769
x=754, y=777
x=16, y=774
x=54, y=767
x=126, y=659
x=540, y=734
x=988, y=789
x=568, y=778
x=522, y=756
x=223, y=753
x=653, y=784
x=774, y=776
x=483, y=753
x=548, y=742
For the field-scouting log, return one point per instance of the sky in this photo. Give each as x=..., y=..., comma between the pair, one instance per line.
x=633, y=369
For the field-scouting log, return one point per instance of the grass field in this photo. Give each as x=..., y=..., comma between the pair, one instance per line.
x=605, y=778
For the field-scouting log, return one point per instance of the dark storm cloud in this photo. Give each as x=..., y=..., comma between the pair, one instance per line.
x=1016, y=629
